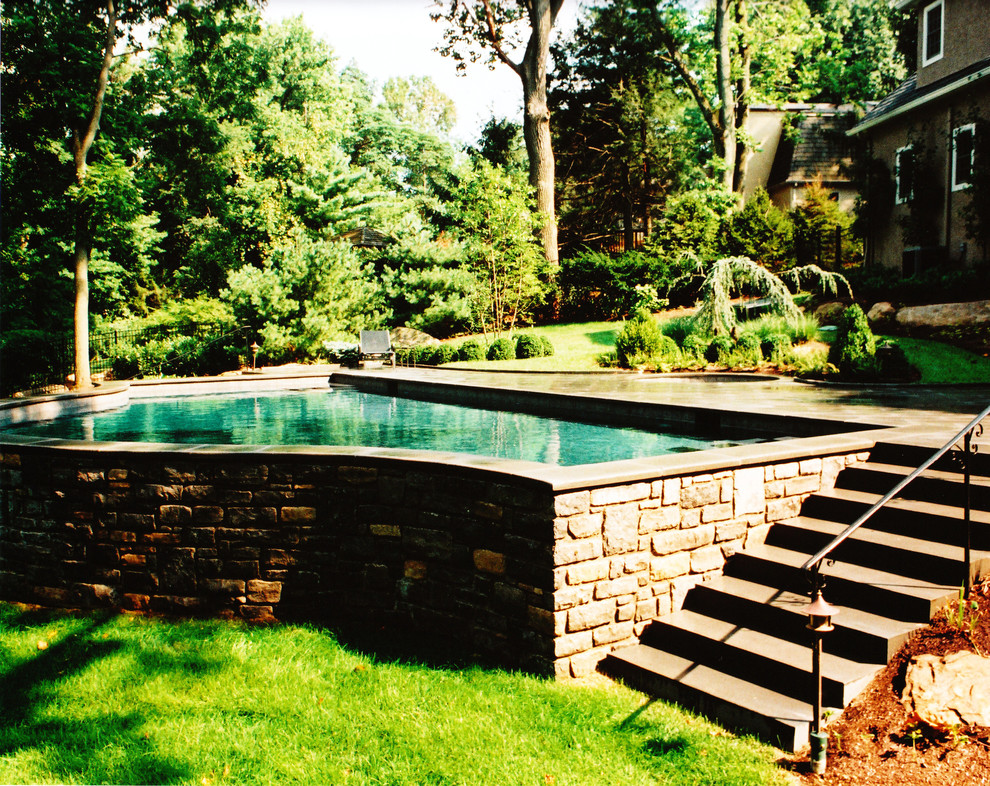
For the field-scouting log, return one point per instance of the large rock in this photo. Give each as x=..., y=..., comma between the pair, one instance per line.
x=949, y=691
x=403, y=337
x=881, y=312
x=946, y=315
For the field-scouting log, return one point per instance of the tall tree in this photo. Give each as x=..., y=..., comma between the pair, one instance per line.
x=498, y=224
x=493, y=25
x=619, y=127
x=79, y=39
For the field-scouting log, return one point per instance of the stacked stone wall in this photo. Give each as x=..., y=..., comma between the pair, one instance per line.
x=499, y=564
x=626, y=555
x=266, y=539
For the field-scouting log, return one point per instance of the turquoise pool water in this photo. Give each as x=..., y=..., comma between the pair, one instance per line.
x=351, y=418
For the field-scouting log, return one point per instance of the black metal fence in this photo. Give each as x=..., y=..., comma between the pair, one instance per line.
x=35, y=363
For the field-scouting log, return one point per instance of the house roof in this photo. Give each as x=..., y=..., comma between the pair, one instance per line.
x=819, y=149
x=365, y=237
x=908, y=95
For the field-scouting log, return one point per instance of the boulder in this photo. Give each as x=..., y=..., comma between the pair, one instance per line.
x=829, y=313
x=405, y=337
x=949, y=691
x=942, y=315
x=881, y=312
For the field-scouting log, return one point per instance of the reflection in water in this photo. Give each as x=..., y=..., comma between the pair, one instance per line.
x=351, y=418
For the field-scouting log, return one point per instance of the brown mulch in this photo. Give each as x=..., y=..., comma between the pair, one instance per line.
x=876, y=742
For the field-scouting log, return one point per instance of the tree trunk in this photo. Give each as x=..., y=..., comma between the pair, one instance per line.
x=82, y=142
x=723, y=86
x=536, y=117
x=743, y=152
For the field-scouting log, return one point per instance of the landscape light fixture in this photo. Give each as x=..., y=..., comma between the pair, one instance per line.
x=254, y=353
x=820, y=614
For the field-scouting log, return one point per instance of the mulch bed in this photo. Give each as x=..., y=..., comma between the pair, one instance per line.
x=876, y=742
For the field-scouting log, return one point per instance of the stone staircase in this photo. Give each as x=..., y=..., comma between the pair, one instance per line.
x=739, y=652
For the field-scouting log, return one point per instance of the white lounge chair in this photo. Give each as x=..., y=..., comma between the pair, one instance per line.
x=376, y=345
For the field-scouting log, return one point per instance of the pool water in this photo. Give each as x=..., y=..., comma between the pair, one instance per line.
x=345, y=417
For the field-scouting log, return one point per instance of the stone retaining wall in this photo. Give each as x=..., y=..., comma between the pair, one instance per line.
x=625, y=555
x=498, y=563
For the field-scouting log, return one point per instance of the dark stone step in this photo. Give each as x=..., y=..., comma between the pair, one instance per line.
x=910, y=518
x=767, y=660
x=913, y=455
x=934, y=562
x=858, y=635
x=867, y=589
x=943, y=488
x=736, y=703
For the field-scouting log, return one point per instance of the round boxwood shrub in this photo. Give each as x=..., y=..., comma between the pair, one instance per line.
x=749, y=345
x=502, y=349
x=547, y=346
x=719, y=349
x=639, y=339
x=855, y=345
x=430, y=356
x=528, y=346
x=695, y=345
x=775, y=346
x=445, y=353
x=892, y=363
x=470, y=350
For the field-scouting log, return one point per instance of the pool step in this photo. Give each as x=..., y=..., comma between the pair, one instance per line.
x=739, y=650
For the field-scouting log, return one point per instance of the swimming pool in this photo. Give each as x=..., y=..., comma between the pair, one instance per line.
x=536, y=566
x=347, y=417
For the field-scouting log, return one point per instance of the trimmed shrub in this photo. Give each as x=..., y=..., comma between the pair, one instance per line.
x=470, y=350
x=639, y=340
x=528, y=346
x=502, y=349
x=749, y=348
x=775, y=346
x=446, y=353
x=855, y=345
x=892, y=363
x=430, y=355
x=547, y=346
x=695, y=345
x=720, y=349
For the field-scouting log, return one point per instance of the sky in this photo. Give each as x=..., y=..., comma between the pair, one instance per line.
x=387, y=38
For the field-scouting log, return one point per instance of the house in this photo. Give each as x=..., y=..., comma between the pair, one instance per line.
x=796, y=145
x=921, y=141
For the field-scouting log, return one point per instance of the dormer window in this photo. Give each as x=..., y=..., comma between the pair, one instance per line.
x=933, y=32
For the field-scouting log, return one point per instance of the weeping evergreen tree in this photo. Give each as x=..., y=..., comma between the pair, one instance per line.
x=733, y=275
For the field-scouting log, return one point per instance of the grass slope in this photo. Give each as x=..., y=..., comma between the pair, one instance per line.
x=577, y=347
x=124, y=699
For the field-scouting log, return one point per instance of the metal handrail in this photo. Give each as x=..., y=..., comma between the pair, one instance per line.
x=966, y=432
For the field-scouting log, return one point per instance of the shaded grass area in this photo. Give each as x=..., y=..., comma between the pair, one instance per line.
x=123, y=699
x=943, y=363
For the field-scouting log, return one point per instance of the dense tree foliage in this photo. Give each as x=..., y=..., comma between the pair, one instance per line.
x=227, y=163
x=517, y=34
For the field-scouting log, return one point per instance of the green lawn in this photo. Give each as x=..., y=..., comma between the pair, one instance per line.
x=125, y=699
x=944, y=364
x=577, y=347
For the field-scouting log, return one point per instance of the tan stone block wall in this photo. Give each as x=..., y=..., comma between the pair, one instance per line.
x=626, y=555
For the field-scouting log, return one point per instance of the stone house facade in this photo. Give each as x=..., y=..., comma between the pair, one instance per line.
x=926, y=134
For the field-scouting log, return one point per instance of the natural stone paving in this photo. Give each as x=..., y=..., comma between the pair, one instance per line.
x=938, y=410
